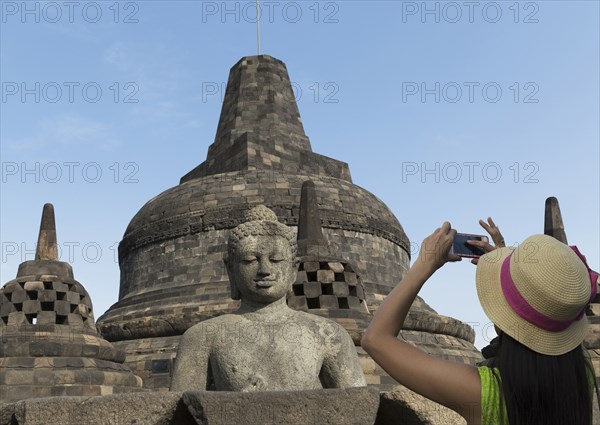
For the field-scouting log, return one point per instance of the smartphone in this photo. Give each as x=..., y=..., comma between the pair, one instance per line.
x=461, y=248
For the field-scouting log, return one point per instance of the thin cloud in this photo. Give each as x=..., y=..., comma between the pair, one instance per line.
x=68, y=130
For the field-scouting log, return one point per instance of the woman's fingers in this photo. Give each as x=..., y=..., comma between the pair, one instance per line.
x=481, y=244
x=494, y=232
x=454, y=257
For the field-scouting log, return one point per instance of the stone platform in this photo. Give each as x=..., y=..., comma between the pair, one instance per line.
x=316, y=407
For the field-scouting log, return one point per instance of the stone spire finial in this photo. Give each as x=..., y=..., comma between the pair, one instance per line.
x=47, y=246
x=46, y=260
x=553, y=222
x=309, y=222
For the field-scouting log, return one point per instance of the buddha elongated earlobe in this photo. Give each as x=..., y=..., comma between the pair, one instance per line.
x=235, y=293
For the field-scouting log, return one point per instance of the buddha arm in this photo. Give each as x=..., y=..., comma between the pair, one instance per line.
x=192, y=362
x=341, y=368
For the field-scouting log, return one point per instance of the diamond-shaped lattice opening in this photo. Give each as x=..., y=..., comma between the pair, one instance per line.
x=323, y=265
x=343, y=303
x=311, y=276
x=74, y=308
x=31, y=318
x=313, y=303
x=32, y=295
x=47, y=306
x=4, y=320
x=19, y=306
x=340, y=277
x=60, y=295
x=298, y=289
x=22, y=284
x=8, y=296
x=327, y=288
x=353, y=291
x=47, y=285
x=61, y=320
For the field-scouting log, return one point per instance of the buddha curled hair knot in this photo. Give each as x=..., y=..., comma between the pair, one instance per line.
x=260, y=213
x=260, y=221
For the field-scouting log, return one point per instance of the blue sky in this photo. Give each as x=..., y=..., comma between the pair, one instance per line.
x=444, y=111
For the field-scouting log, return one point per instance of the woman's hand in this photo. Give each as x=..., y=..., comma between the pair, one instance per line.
x=435, y=249
x=494, y=232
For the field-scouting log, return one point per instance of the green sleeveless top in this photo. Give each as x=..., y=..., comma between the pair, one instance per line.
x=491, y=395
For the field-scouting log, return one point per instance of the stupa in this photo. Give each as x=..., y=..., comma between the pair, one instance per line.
x=49, y=345
x=171, y=255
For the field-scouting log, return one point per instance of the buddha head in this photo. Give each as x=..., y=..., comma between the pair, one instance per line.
x=261, y=257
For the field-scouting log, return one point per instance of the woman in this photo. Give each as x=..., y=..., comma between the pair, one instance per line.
x=536, y=295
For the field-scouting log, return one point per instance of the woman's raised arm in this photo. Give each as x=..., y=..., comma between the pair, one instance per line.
x=454, y=385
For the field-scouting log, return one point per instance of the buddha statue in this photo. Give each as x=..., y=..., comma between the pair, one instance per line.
x=265, y=345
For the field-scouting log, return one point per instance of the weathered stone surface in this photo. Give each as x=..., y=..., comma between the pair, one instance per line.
x=315, y=407
x=328, y=301
x=47, y=247
x=118, y=409
x=406, y=407
x=340, y=289
x=309, y=222
x=336, y=267
x=553, y=222
x=312, y=289
x=298, y=302
x=325, y=276
x=311, y=266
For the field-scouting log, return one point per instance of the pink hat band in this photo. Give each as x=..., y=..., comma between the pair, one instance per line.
x=527, y=311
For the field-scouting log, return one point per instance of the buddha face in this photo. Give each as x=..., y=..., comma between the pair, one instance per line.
x=263, y=268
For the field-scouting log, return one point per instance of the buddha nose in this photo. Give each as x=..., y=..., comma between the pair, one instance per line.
x=265, y=267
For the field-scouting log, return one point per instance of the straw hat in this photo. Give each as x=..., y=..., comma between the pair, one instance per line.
x=537, y=293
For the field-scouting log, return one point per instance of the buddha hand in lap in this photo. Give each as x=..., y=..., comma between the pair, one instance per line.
x=265, y=345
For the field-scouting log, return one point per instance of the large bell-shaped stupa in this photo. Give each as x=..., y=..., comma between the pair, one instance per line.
x=171, y=256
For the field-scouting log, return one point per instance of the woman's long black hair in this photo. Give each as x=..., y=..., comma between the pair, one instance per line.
x=543, y=390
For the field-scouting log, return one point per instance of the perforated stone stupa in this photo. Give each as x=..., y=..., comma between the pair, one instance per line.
x=49, y=345
x=171, y=255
